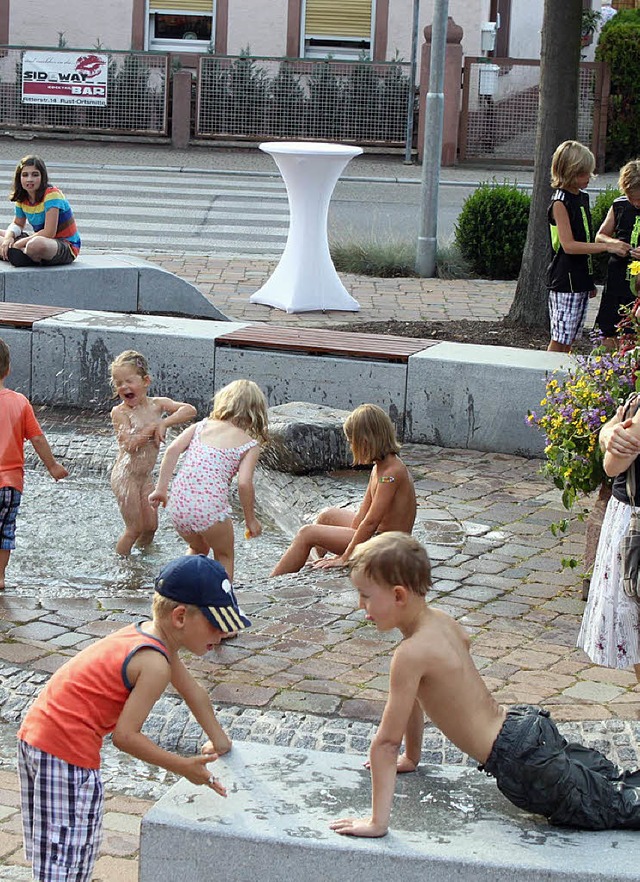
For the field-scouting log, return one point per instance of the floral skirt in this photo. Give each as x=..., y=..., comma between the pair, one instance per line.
x=610, y=631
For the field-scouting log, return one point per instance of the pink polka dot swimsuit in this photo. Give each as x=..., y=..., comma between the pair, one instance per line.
x=199, y=494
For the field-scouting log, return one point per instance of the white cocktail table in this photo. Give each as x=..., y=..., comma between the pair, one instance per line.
x=305, y=279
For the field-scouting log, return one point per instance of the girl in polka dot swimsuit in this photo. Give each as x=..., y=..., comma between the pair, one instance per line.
x=224, y=444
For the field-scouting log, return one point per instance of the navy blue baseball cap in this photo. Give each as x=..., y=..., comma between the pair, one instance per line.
x=203, y=582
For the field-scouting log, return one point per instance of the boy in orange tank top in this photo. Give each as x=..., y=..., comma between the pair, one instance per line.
x=18, y=424
x=111, y=686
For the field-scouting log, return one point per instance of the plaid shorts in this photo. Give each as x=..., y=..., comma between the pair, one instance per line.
x=9, y=505
x=567, y=312
x=62, y=808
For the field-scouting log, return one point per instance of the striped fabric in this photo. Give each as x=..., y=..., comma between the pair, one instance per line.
x=62, y=808
x=36, y=214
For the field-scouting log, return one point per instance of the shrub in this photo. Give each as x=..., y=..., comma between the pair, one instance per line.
x=618, y=46
x=492, y=229
x=601, y=206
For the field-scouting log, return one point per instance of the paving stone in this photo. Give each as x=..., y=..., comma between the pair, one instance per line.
x=20, y=653
x=305, y=702
x=590, y=691
x=40, y=631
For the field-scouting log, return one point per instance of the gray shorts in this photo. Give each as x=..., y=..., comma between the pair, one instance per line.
x=64, y=255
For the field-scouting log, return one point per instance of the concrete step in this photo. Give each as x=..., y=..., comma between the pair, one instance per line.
x=448, y=823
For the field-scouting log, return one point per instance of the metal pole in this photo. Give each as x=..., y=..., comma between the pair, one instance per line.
x=434, y=115
x=411, y=99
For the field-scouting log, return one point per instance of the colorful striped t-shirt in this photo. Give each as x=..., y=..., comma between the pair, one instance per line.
x=35, y=214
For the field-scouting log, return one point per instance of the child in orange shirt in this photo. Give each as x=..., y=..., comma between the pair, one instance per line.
x=17, y=425
x=112, y=686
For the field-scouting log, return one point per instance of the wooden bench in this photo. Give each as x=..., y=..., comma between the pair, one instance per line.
x=325, y=342
x=23, y=315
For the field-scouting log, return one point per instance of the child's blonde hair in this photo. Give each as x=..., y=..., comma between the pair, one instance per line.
x=370, y=433
x=131, y=358
x=162, y=607
x=242, y=403
x=570, y=160
x=393, y=559
x=5, y=359
x=629, y=180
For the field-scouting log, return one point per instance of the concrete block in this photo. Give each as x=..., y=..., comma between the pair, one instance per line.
x=113, y=282
x=72, y=353
x=93, y=282
x=464, y=395
x=161, y=291
x=341, y=383
x=19, y=342
x=449, y=822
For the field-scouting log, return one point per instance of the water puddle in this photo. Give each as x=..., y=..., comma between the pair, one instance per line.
x=66, y=534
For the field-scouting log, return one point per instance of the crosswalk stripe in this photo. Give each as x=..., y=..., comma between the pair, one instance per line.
x=172, y=210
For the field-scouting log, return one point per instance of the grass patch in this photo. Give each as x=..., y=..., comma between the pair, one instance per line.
x=394, y=259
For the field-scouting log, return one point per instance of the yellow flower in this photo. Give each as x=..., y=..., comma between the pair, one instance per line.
x=634, y=268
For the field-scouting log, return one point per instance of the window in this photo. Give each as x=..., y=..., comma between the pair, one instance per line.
x=337, y=28
x=181, y=25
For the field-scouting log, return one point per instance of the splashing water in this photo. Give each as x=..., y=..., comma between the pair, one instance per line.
x=66, y=535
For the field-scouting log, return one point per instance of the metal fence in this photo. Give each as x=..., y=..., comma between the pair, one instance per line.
x=500, y=101
x=256, y=98
x=137, y=97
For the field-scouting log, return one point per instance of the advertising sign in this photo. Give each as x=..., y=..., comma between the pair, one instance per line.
x=64, y=78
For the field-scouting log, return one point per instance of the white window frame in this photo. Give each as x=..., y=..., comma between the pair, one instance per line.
x=342, y=53
x=166, y=45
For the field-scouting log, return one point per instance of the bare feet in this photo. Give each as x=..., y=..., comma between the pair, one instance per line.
x=404, y=764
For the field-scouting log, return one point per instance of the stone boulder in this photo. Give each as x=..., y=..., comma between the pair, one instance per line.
x=306, y=438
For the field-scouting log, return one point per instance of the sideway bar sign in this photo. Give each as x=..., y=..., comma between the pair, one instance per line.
x=64, y=78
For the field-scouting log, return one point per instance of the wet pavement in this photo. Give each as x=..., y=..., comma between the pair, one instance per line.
x=311, y=672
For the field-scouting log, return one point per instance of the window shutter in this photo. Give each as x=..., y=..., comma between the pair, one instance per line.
x=338, y=18
x=182, y=6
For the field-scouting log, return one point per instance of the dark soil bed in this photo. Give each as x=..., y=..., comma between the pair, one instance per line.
x=465, y=331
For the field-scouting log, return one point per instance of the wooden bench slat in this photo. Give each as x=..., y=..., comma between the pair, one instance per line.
x=382, y=346
x=23, y=315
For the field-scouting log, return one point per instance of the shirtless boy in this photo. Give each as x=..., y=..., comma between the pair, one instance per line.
x=432, y=673
x=140, y=424
x=388, y=504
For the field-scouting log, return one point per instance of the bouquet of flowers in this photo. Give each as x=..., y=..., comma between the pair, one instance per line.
x=575, y=407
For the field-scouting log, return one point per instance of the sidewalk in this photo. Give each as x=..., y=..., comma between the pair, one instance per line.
x=230, y=283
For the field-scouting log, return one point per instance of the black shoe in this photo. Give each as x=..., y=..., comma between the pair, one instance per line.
x=17, y=257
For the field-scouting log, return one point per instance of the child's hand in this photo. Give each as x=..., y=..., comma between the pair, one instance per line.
x=196, y=771
x=621, y=249
x=223, y=746
x=358, y=827
x=58, y=471
x=326, y=563
x=157, y=499
x=254, y=528
x=160, y=433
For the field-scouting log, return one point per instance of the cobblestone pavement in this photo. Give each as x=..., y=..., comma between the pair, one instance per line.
x=311, y=673
x=229, y=284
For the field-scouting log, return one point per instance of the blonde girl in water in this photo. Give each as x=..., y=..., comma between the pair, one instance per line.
x=388, y=504
x=224, y=444
x=140, y=425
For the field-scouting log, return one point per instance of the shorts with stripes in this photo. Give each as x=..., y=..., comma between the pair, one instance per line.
x=567, y=312
x=9, y=505
x=62, y=807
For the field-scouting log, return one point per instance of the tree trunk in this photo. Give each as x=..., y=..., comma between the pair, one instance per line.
x=557, y=122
